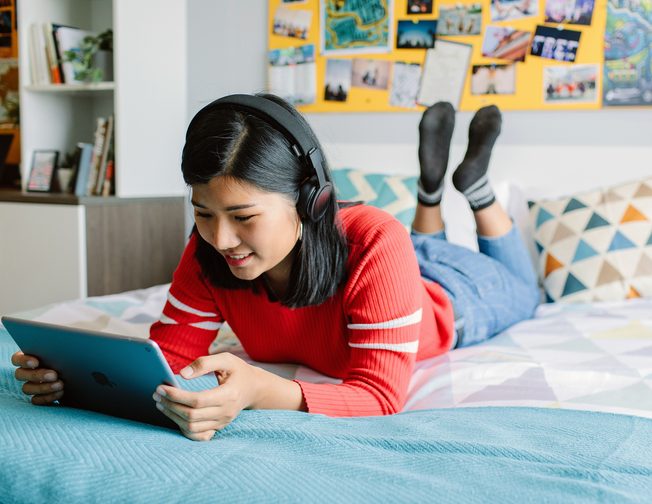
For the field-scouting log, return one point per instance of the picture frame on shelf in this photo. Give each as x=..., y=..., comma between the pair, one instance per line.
x=43, y=176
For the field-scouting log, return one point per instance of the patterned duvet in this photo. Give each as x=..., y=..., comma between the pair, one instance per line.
x=595, y=356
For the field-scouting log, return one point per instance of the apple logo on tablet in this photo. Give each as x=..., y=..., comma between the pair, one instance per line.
x=102, y=379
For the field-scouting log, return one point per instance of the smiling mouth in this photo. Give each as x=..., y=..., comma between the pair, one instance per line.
x=238, y=259
x=238, y=256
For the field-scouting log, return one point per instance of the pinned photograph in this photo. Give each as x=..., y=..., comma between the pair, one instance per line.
x=577, y=12
x=419, y=7
x=503, y=10
x=493, y=79
x=570, y=84
x=356, y=27
x=445, y=70
x=627, y=58
x=505, y=43
x=460, y=19
x=338, y=80
x=551, y=43
x=372, y=74
x=9, y=98
x=405, y=84
x=416, y=35
x=292, y=23
x=292, y=74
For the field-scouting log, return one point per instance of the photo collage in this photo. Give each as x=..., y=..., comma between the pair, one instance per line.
x=362, y=46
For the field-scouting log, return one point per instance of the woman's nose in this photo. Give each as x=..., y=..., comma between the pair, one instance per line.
x=225, y=237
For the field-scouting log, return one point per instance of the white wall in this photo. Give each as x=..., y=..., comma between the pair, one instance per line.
x=545, y=152
x=151, y=84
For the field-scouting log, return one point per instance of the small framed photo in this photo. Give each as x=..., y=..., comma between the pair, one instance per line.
x=42, y=176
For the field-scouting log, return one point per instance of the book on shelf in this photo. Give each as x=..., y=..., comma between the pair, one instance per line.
x=51, y=53
x=47, y=49
x=108, y=187
x=104, y=158
x=98, y=149
x=81, y=168
x=38, y=66
x=93, y=163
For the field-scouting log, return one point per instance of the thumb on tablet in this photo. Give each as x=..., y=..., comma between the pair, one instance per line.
x=207, y=364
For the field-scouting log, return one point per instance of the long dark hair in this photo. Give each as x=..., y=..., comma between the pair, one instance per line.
x=223, y=141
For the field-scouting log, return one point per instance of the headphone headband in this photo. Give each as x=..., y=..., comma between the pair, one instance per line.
x=314, y=195
x=302, y=144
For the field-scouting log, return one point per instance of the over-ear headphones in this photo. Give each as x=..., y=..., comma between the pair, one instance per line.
x=314, y=193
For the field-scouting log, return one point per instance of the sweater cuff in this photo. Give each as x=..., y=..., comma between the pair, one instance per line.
x=320, y=398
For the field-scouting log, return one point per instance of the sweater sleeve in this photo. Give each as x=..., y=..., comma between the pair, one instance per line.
x=190, y=318
x=383, y=306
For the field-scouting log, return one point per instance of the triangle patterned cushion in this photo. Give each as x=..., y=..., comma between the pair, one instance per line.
x=596, y=246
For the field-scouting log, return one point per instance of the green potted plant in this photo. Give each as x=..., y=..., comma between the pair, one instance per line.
x=93, y=60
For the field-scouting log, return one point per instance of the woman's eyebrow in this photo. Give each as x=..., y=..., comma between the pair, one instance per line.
x=228, y=209
x=240, y=207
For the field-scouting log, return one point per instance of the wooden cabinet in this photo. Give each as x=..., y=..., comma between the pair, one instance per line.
x=54, y=248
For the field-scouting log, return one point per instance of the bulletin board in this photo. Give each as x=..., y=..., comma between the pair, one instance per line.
x=533, y=78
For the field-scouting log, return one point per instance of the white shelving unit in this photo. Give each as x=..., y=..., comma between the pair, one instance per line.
x=62, y=247
x=86, y=89
x=148, y=97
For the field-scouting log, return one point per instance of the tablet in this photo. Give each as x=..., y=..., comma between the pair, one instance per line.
x=107, y=373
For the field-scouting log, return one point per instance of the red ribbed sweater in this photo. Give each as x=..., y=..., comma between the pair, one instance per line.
x=369, y=334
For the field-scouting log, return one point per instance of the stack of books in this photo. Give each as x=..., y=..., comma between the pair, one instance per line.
x=48, y=44
x=93, y=164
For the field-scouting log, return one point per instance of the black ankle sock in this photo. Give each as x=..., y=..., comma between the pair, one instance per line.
x=435, y=132
x=470, y=177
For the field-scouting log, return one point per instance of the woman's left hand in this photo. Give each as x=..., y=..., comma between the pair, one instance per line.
x=200, y=414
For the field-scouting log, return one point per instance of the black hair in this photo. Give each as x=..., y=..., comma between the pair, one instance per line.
x=226, y=141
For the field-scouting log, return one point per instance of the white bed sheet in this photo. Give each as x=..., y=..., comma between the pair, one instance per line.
x=595, y=356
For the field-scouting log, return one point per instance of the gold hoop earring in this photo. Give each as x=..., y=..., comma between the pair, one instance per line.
x=301, y=231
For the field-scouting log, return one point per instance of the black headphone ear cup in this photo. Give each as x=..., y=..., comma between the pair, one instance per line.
x=313, y=200
x=320, y=201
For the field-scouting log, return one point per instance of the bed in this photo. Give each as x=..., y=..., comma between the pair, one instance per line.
x=555, y=409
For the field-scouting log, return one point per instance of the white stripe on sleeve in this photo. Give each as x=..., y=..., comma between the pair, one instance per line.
x=415, y=318
x=410, y=347
x=167, y=320
x=188, y=309
x=209, y=326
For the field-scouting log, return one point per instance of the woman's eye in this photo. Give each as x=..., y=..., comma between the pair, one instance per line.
x=243, y=218
x=202, y=215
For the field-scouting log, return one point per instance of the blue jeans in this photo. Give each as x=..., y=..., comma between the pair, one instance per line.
x=490, y=290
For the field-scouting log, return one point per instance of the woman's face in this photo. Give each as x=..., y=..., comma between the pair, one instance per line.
x=255, y=231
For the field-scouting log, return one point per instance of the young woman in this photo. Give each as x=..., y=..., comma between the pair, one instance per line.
x=342, y=289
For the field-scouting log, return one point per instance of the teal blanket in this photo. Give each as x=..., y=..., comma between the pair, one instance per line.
x=55, y=454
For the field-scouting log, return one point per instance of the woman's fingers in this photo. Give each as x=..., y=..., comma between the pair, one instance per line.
x=197, y=431
x=20, y=359
x=35, y=375
x=47, y=398
x=187, y=414
x=31, y=388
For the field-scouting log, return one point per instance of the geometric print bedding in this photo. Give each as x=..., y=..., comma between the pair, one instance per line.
x=595, y=246
x=595, y=356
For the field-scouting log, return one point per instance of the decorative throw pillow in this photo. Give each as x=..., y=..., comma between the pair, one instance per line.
x=596, y=246
x=394, y=194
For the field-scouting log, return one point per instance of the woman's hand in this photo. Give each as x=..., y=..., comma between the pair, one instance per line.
x=200, y=414
x=242, y=386
x=41, y=384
